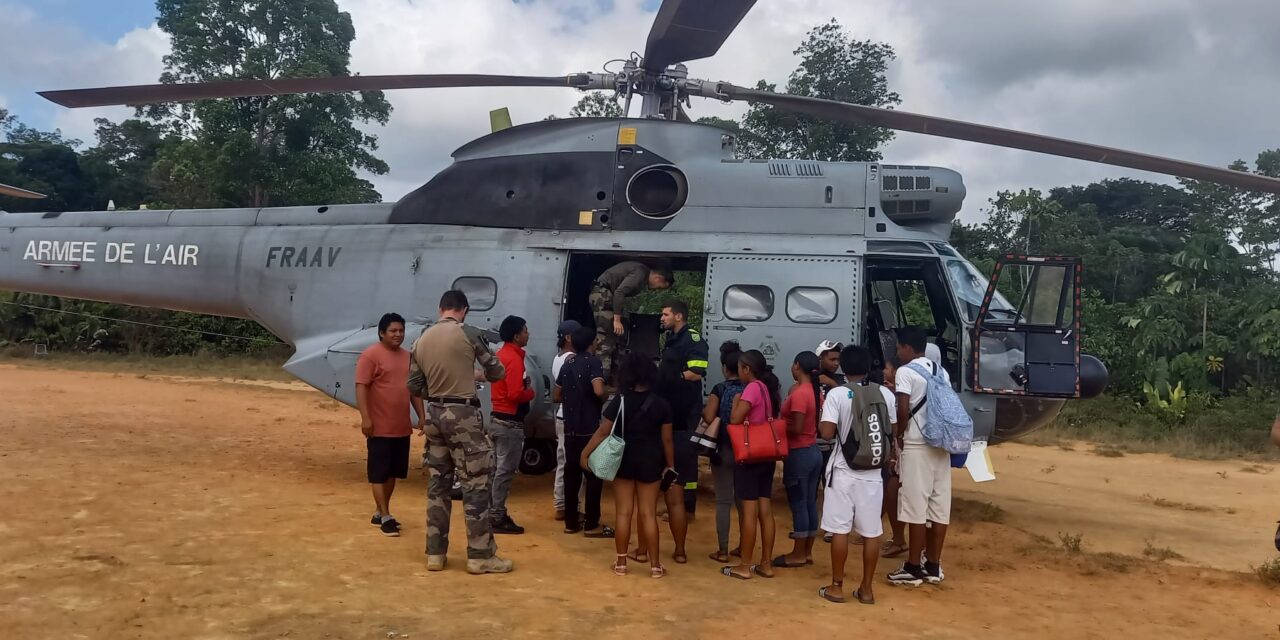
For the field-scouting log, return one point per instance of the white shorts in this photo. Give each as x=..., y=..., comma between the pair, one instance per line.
x=925, y=493
x=851, y=503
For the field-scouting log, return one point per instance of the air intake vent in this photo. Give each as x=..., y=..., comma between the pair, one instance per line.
x=795, y=170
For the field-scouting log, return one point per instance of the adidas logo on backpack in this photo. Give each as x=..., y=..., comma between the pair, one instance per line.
x=866, y=446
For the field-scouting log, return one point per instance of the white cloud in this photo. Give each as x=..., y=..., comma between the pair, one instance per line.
x=1185, y=78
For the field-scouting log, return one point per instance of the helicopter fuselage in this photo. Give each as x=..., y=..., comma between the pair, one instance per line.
x=791, y=252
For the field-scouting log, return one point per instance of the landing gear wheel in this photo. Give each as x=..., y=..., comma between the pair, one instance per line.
x=539, y=457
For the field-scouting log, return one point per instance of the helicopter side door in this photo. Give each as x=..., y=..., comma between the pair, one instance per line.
x=1031, y=348
x=780, y=305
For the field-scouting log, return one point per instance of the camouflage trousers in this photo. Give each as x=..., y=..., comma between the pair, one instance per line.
x=601, y=300
x=457, y=444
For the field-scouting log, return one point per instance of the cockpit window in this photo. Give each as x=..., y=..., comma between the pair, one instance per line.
x=970, y=286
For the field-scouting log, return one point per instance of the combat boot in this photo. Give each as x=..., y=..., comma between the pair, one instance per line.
x=436, y=563
x=492, y=564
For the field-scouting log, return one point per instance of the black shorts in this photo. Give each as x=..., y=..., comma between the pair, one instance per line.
x=753, y=481
x=388, y=458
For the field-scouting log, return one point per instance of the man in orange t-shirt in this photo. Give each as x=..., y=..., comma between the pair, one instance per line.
x=383, y=397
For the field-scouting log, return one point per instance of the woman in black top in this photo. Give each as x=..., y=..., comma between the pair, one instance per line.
x=645, y=425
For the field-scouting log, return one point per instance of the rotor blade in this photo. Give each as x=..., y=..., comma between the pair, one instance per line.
x=156, y=93
x=6, y=190
x=691, y=29
x=958, y=130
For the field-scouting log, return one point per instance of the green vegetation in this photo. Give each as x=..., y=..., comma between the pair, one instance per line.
x=1072, y=543
x=1160, y=554
x=1234, y=426
x=976, y=511
x=1269, y=572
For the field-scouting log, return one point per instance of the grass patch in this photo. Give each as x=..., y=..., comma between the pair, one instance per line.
x=1113, y=562
x=238, y=367
x=1269, y=573
x=976, y=511
x=1073, y=543
x=1232, y=427
x=1160, y=554
x=1173, y=504
x=1255, y=468
x=1108, y=451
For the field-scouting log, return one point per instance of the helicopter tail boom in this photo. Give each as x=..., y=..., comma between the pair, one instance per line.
x=166, y=267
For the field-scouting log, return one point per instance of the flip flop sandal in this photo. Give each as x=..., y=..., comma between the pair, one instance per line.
x=719, y=556
x=831, y=597
x=638, y=555
x=893, y=550
x=755, y=568
x=857, y=593
x=736, y=553
x=781, y=562
x=680, y=558
x=603, y=532
x=620, y=570
x=728, y=571
x=657, y=572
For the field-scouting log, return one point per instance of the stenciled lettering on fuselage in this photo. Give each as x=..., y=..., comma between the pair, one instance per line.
x=304, y=257
x=78, y=252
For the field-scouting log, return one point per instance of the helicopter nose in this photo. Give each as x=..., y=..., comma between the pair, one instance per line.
x=1017, y=416
x=1093, y=376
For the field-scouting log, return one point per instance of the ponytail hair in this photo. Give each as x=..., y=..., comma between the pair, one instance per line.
x=756, y=362
x=809, y=363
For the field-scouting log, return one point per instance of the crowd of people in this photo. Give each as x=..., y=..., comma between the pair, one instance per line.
x=852, y=435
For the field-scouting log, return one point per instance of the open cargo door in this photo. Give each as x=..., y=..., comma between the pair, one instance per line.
x=1031, y=348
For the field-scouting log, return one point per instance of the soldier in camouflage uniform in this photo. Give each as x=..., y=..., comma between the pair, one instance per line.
x=609, y=295
x=442, y=371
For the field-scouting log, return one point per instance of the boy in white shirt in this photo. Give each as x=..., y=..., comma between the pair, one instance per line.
x=853, y=498
x=925, y=494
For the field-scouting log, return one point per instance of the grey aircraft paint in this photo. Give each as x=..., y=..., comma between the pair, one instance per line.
x=514, y=208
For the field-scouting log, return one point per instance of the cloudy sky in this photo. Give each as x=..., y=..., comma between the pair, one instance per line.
x=1190, y=79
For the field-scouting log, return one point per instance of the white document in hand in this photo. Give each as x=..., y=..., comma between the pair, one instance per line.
x=979, y=463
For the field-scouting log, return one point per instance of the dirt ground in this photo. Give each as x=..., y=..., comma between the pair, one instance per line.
x=149, y=506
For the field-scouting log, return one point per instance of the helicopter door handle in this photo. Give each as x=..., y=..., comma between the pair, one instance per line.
x=728, y=327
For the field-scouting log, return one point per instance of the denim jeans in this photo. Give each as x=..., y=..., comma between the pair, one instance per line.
x=508, y=449
x=800, y=475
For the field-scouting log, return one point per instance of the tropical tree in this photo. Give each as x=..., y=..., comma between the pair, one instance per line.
x=273, y=150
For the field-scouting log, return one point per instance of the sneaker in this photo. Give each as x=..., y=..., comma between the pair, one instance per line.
x=436, y=563
x=933, y=574
x=559, y=515
x=376, y=520
x=826, y=537
x=391, y=528
x=507, y=525
x=907, y=576
x=489, y=565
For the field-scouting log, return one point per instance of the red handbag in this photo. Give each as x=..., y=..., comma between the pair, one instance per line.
x=764, y=442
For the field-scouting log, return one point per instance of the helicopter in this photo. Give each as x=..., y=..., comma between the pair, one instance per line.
x=791, y=252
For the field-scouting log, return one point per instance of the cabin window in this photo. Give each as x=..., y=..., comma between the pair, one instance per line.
x=748, y=302
x=482, y=293
x=812, y=305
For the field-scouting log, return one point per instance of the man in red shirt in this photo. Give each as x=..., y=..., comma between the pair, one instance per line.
x=511, y=397
x=384, y=400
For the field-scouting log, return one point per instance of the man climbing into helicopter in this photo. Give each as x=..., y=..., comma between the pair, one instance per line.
x=609, y=295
